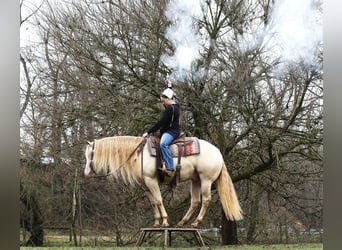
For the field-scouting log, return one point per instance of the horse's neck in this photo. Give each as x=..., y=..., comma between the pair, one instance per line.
x=113, y=157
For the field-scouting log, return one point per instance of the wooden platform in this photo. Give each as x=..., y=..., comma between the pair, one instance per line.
x=146, y=233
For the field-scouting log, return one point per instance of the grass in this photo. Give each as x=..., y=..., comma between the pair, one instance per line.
x=55, y=240
x=316, y=246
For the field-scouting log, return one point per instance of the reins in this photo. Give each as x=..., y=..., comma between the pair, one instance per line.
x=141, y=149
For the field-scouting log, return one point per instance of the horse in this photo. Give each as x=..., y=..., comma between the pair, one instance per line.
x=120, y=157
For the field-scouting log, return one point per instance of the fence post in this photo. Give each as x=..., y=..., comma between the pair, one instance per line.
x=74, y=207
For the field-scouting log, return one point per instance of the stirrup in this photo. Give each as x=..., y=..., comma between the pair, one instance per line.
x=168, y=173
x=163, y=168
x=165, y=171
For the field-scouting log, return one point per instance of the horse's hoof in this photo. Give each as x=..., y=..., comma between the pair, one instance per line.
x=156, y=225
x=194, y=225
x=165, y=225
x=180, y=224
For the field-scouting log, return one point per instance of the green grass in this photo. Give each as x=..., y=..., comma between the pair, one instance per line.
x=316, y=246
x=90, y=240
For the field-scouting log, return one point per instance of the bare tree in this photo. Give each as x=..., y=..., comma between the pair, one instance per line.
x=99, y=73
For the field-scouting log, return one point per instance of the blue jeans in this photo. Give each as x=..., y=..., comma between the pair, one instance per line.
x=165, y=142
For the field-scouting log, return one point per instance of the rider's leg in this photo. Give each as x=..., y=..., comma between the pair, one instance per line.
x=165, y=141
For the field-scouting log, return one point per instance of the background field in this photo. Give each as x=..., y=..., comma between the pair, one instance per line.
x=244, y=247
x=57, y=240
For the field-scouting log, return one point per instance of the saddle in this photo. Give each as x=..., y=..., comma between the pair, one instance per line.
x=180, y=146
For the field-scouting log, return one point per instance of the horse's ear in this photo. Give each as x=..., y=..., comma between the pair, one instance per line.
x=89, y=143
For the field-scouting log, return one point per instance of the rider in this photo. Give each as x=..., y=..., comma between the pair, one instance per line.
x=168, y=125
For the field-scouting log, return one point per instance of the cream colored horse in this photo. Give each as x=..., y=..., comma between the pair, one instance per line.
x=119, y=157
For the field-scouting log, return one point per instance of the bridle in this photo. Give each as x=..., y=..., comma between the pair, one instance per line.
x=91, y=164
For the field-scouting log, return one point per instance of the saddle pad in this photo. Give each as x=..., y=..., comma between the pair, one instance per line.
x=192, y=148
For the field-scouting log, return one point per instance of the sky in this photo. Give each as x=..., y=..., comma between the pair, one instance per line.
x=28, y=32
x=294, y=31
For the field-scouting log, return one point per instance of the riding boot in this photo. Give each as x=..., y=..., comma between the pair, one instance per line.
x=166, y=171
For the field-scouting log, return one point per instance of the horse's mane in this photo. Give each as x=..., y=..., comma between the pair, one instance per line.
x=116, y=156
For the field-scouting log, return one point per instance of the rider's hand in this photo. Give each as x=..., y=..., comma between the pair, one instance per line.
x=145, y=135
x=168, y=83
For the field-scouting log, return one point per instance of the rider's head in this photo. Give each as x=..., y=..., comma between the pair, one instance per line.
x=168, y=93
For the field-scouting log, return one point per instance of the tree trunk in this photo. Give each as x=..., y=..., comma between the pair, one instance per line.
x=229, y=231
x=31, y=218
x=253, y=215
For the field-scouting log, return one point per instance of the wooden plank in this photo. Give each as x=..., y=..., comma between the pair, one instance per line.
x=199, y=238
x=141, y=238
x=168, y=234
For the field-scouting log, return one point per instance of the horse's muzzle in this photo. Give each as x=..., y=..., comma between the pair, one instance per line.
x=89, y=172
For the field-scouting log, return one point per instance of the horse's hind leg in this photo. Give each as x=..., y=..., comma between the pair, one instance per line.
x=206, y=198
x=195, y=201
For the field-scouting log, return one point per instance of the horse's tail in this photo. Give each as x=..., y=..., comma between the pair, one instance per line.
x=229, y=200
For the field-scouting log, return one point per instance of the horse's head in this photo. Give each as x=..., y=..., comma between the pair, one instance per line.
x=89, y=154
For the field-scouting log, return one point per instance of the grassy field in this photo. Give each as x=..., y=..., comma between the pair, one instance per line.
x=56, y=240
x=240, y=247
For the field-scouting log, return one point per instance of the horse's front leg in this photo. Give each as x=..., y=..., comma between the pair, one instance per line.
x=157, y=202
x=165, y=222
x=155, y=209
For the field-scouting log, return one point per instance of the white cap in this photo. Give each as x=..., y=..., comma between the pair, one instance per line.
x=168, y=93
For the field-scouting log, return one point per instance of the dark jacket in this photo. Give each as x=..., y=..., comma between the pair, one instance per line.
x=169, y=121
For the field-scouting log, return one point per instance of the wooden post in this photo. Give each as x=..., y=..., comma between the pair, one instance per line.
x=229, y=231
x=79, y=212
x=73, y=207
x=166, y=238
